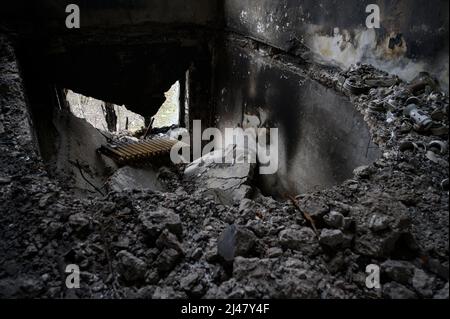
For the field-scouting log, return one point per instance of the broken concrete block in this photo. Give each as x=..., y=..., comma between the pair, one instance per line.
x=399, y=271
x=131, y=268
x=331, y=238
x=313, y=206
x=423, y=283
x=135, y=179
x=167, y=260
x=274, y=252
x=169, y=240
x=443, y=293
x=335, y=220
x=80, y=223
x=230, y=181
x=394, y=290
x=303, y=239
x=235, y=241
x=155, y=222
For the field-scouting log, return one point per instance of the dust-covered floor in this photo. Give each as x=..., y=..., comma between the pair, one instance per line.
x=185, y=244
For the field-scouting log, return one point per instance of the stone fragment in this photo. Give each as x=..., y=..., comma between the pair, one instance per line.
x=331, y=238
x=80, y=223
x=229, y=182
x=169, y=240
x=189, y=281
x=335, y=220
x=443, y=293
x=399, y=271
x=154, y=222
x=303, y=239
x=362, y=172
x=394, y=290
x=167, y=260
x=135, y=179
x=313, y=206
x=274, y=252
x=422, y=283
x=5, y=180
x=235, y=241
x=164, y=293
x=131, y=268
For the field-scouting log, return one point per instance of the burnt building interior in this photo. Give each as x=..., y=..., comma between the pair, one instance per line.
x=89, y=115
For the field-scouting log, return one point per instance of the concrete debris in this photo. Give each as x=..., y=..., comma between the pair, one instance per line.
x=80, y=223
x=4, y=180
x=303, y=239
x=423, y=284
x=335, y=220
x=167, y=260
x=135, y=179
x=363, y=171
x=313, y=206
x=399, y=271
x=331, y=238
x=169, y=240
x=236, y=241
x=154, y=222
x=396, y=291
x=443, y=294
x=136, y=242
x=131, y=268
x=230, y=182
x=274, y=252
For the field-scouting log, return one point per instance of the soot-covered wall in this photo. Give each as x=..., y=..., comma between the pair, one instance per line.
x=125, y=52
x=413, y=36
x=322, y=137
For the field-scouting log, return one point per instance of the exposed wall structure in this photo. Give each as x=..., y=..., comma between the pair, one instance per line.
x=126, y=53
x=96, y=113
x=130, y=53
x=413, y=34
x=322, y=138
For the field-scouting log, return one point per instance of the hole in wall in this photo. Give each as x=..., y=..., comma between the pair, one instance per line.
x=107, y=117
x=85, y=124
x=169, y=112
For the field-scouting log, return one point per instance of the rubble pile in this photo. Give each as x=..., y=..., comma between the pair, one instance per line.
x=189, y=243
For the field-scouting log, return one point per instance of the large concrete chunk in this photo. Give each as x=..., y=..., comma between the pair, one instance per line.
x=155, y=222
x=136, y=179
x=236, y=241
x=230, y=182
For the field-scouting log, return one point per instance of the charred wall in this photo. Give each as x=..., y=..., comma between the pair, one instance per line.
x=124, y=53
x=132, y=52
x=413, y=34
x=322, y=137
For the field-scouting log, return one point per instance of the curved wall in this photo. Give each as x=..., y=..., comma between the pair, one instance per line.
x=322, y=137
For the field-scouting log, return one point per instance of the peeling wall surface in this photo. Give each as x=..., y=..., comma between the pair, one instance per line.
x=413, y=36
x=318, y=145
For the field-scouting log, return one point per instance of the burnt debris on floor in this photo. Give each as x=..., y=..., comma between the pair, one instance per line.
x=363, y=176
